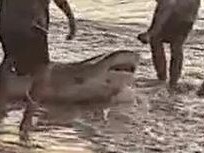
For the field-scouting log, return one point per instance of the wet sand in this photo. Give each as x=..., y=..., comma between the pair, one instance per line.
x=145, y=118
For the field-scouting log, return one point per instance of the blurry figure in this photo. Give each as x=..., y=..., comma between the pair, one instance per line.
x=172, y=21
x=23, y=33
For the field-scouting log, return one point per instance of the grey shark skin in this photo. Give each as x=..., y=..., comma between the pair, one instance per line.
x=93, y=80
x=99, y=78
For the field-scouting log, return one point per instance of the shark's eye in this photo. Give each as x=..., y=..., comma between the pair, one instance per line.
x=108, y=81
x=123, y=67
x=78, y=80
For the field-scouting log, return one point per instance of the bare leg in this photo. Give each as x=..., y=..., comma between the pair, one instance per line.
x=176, y=61
x=2, y=93
x=200, y=92
x=5, y=67
x=31, y=108
x=64, y=6
x=26, y=122
x=159, y=58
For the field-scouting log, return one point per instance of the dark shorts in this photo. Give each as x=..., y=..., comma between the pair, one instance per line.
x=29, y=50
x=175, y=28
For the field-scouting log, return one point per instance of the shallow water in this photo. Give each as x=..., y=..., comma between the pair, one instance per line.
x=116, y=10
x=120, y=11
x=143, y=125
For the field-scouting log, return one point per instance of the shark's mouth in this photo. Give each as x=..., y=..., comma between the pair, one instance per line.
x=126, y=67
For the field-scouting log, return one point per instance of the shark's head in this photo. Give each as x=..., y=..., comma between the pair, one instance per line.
x=95, y=78
x=122, y=61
